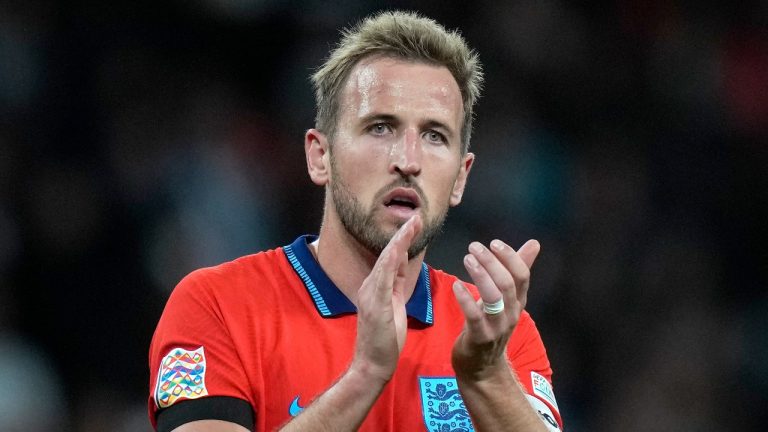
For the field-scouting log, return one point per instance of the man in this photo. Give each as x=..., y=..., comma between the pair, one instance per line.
x=350, y=330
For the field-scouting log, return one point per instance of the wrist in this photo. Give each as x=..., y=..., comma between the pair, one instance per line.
x=496, y=371
x=368, y=373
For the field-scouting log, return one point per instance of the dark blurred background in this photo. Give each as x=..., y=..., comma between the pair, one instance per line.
x=140, y=140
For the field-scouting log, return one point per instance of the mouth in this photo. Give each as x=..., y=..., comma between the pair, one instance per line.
x=402, y=199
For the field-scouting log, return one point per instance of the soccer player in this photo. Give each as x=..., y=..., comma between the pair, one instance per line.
x=351, y=330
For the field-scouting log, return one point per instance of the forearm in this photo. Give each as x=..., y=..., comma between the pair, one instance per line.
x=343, y=407
x=381, y=331
x=496, y=401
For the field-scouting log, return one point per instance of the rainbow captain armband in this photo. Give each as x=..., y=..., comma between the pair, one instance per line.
x=181, y=376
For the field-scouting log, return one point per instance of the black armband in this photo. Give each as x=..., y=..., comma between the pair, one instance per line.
x=208, y=408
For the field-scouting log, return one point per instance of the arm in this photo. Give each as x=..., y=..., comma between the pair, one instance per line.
x=488, y=385
x=195, y=370
x=381, y=329
x=343, y=407
x=210, y=426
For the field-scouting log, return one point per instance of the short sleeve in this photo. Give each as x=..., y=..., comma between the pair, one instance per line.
x=193, y=362
x=529, y=357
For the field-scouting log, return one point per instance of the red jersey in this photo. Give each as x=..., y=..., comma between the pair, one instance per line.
x=254, y=340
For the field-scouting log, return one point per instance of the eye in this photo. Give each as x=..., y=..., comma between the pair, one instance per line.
x=380, y=129
x=435, y=137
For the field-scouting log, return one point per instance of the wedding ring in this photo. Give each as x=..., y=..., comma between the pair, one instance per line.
x=494, y=308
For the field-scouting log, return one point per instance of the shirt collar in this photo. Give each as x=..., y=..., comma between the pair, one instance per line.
x=328, y=298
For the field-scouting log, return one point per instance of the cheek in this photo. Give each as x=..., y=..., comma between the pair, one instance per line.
x=356, y=171
x=443, y=189
x=446, y=181
x=367, y=162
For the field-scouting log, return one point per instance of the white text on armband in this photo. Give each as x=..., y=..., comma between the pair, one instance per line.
x=544, y=413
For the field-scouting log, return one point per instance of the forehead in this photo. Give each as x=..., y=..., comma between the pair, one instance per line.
x=385, y=85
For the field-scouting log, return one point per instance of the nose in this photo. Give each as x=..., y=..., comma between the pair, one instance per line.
x=405, y=156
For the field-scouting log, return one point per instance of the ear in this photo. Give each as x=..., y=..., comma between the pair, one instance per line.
x=316, y=150
x=461, y=180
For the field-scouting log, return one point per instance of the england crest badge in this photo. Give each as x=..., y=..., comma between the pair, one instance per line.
x=442, y=407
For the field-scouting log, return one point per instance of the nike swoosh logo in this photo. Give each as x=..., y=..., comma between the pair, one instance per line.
x=295, y=409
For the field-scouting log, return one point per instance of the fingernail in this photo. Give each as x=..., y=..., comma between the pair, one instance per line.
x=471, y=261
x=475, y=248
x=497, y=245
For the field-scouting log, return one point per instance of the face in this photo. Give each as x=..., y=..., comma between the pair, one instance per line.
x=396, y=151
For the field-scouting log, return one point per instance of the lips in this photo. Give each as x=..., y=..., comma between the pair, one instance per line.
x=404, y=198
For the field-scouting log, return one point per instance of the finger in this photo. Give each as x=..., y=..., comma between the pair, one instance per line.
x=489, y=293
x=473, y=314
x=399, y=243
x=485, y=283
x=394, y=257
x=518, y=263
x=501, y=278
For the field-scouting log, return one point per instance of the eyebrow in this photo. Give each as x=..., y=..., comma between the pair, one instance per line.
x=368, y=118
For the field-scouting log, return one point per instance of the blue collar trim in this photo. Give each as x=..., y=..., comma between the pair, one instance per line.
x=328, y=298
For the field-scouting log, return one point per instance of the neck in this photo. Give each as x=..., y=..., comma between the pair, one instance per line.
x=347, y=263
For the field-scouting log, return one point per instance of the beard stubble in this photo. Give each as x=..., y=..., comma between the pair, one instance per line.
x=362, y=225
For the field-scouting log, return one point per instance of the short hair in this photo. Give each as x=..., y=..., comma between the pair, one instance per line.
x=397, y=34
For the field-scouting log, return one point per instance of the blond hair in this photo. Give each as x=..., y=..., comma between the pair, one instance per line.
x=405, y=35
